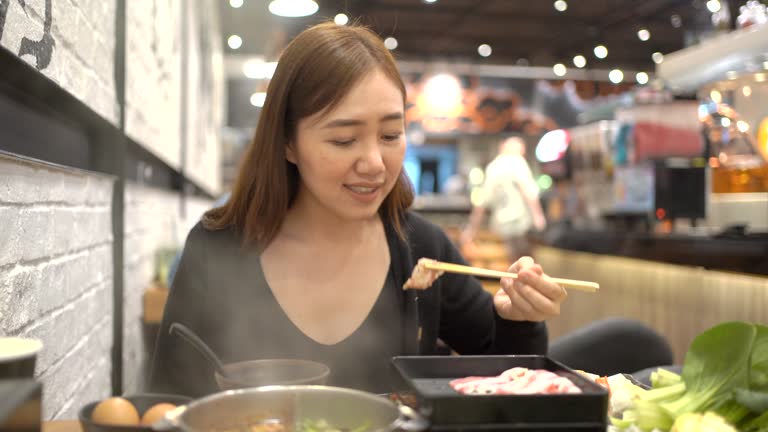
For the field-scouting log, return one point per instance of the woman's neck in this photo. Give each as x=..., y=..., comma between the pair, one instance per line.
x=310, y=221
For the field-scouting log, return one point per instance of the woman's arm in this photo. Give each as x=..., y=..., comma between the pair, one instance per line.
x=469, y=322
x=176, y=367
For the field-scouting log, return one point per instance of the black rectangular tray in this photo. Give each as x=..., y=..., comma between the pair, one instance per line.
x=429, y=377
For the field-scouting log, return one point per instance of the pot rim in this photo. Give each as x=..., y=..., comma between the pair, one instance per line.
x=326, y=371
x=287, y=388
x=177, y=418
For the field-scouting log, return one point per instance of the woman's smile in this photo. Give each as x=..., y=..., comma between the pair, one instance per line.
x=364, y=192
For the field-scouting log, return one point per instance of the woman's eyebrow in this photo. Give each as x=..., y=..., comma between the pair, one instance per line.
x=354, y=122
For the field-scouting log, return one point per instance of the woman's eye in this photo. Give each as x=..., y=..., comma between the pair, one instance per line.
x=343, y=142
x=391, y=137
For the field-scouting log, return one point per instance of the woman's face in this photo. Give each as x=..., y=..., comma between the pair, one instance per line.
x=350, y=158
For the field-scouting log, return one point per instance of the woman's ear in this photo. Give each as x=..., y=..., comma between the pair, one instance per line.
x=290, y=153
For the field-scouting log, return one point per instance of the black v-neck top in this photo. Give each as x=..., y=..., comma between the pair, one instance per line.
x=220, y=292
x=361, y=360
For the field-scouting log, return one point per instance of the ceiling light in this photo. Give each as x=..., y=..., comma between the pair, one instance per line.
x=657, y=57
x=559, y=69
x=484, y=50
x=746, y=91
x=390, y=43
x=642, y=78
x=579, y=61
x=713, y=5
x=259, y=70
x=760, y=77
x=235, y=42
x=765, y=65
x=429, y=1
x=716, y=96
x=676, y=21
x=341, y=19
x=731, y=75
x=258, y=98
x=643, y=34
x=616, y=76
x=725, y=122
x=442, y=96
x=293, y=8
x=235, y=3
x=561, y=5
x=601, y=51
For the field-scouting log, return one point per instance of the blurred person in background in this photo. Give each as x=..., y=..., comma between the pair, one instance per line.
x=511, y=194
x=308, y=257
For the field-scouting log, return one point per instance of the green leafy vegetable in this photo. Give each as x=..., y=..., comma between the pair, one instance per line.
x=714, y=367
x=664, y=378
x=650, y=415
x=757, y=424
x=732, y=411
x=758, y=373
x=755, y=401
x=694, y=422
x=627, y=419
x=664, y=394
x=725, y=375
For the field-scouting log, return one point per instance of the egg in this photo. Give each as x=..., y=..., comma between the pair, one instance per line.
x=156, y=413
x=115, y=411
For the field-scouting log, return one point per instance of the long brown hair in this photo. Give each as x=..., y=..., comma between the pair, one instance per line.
x=314, y=73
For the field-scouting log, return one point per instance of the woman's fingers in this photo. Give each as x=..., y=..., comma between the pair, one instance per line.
x=544, y=285
x=531, y=296
x=524, y=262
x=539, y=302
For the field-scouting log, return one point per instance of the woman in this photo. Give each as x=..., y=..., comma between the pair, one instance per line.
x=308, y=257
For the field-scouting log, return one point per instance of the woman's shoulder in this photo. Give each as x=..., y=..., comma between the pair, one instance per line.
x=421, y=230
x=417, y=223
x=199, y=235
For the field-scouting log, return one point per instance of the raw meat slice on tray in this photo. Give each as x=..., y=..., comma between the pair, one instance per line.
x=516, y=381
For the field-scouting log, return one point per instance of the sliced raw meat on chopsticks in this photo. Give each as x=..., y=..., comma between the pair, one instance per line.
x=422, y=278
x=516, y=381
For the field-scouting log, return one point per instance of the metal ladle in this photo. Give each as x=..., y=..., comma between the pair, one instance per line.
x=179, y=329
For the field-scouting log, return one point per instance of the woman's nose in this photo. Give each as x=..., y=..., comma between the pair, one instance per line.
x=371, y=160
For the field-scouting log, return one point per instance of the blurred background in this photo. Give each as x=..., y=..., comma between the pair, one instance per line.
x=645, y=126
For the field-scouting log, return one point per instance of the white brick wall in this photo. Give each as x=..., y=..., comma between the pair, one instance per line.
x=82, y=54
x=205, y=96
x=56, y=285
x=153, y=221
x=153, y=76
x=56, y=241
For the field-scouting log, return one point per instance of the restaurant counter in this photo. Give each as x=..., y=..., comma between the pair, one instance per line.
x=678, y=285
x=730, y=251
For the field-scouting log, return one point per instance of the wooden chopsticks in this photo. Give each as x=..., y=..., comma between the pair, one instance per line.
x=578, y=285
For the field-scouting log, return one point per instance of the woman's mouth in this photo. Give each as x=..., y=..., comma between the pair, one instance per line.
x=363, y=193
x=362, y=189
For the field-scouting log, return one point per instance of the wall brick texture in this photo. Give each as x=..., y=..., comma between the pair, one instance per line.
x=153, y=77
x=153, y=220
x=56, y=277
x=81, y=46
x=56, y=227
